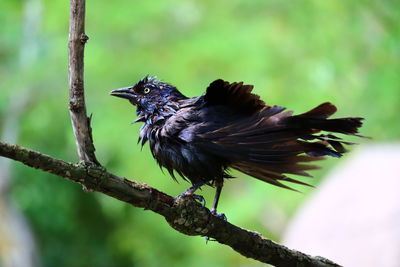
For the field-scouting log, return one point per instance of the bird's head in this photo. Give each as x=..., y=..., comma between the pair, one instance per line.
x=149, y=95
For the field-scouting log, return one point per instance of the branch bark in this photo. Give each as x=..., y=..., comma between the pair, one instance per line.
x=184, y=214
x=77, y=107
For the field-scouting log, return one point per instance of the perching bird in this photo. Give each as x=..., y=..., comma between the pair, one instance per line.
x=201, y=138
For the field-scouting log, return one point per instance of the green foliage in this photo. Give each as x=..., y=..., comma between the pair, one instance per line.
x=296, y=53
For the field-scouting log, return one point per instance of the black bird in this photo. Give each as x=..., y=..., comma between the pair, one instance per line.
x=200, y=138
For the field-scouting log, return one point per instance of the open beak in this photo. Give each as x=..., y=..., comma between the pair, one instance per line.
x=125, y=92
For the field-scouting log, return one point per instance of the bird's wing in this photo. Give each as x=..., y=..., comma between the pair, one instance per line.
x=272, y=142
x=235, y=95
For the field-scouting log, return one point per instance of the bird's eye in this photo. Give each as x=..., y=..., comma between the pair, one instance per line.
x=146, y=90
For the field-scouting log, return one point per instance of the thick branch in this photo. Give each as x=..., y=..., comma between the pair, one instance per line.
x=183, y=213
x=77, y=107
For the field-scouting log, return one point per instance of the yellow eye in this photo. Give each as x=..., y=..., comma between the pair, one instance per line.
x=146, y=90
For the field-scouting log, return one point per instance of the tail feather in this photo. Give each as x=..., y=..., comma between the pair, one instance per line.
x=317, y=118
x=273, y=143
x=323, y=111
x=266, y=175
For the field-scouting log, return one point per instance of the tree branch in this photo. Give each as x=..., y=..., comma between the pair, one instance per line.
x=184, y=214
x=77, y=107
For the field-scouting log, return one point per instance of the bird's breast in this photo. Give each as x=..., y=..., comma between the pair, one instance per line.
x=184, y=158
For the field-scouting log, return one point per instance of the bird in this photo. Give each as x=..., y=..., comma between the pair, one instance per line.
x=228, y=127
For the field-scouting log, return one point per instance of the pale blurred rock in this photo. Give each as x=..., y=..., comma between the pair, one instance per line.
x=353, y=217
x=17, y=246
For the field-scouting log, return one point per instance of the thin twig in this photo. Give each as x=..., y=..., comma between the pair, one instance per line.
x=77, y=107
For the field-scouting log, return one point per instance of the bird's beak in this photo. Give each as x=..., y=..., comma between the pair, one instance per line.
x=125, y=92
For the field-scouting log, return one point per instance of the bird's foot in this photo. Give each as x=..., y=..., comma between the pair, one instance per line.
x=219, y=215
x=190, y=192
x=198, y=198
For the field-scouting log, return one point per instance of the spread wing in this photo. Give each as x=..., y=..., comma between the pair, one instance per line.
x=268, y=142
x=235, y=95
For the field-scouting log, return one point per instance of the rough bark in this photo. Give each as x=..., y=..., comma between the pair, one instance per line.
x=184, y=214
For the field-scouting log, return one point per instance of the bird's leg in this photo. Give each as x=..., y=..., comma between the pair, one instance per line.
x=192, y=189
x=218, y=185
x=190, y=192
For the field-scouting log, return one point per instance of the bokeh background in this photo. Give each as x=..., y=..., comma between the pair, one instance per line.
x=296, y=53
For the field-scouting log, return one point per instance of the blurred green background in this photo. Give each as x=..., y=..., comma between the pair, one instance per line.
x=296, y=53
